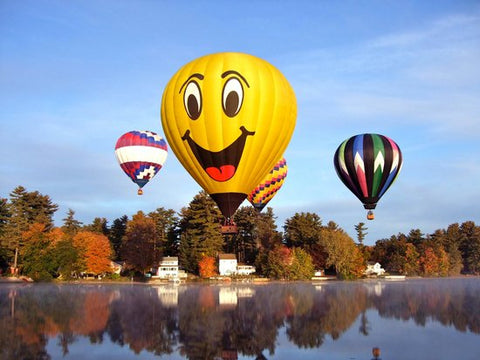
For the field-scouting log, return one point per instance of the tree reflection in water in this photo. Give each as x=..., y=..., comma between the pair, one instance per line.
x=220, y=321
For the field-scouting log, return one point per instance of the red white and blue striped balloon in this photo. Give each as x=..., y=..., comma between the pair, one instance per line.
x=141, y=155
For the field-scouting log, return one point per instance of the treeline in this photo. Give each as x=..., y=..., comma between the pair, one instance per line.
x=31, y=245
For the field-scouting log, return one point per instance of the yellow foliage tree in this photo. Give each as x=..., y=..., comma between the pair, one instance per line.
x=96, y=251
x=207, y=267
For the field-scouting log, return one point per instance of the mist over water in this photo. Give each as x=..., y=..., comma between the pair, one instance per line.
x=414, y=318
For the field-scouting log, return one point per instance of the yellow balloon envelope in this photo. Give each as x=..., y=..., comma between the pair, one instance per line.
x=228, y=117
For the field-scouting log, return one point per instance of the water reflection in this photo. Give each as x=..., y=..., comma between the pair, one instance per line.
x=222, y=322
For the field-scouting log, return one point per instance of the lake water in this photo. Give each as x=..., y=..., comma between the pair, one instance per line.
x=409, y=319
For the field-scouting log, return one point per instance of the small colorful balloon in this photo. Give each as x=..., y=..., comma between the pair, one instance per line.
x=268, y=188
x=141, y=155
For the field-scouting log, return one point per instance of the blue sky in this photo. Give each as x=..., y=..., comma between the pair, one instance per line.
x=75, y=75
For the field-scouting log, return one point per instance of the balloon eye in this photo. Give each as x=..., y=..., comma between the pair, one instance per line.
x=192, y=99
x=232, y=97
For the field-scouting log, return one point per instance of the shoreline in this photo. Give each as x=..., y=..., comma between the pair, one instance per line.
x=253, y=281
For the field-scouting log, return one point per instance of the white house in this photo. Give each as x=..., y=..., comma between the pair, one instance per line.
x=227, y=264
x=168, y=268
x=374, y=269
x=245, y=269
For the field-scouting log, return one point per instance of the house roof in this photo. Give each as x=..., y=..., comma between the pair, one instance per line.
x=227, y=257
x=170, y=258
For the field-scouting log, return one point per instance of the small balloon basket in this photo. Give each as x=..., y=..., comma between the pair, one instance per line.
x=229, y=227
x=370, y=215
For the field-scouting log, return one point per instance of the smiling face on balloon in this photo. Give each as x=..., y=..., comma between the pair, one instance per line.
x=228, y=117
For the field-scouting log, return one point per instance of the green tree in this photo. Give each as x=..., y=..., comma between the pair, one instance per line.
x=412, y=262
x=361, y=232
x=99, y=226
x=266, y=234
x=116, y=234
x=304, y=230
x=71, y=226
x=200, y=231
x=138, y=247
x=24, y=209
x=39, y=259
x=166, y=222
x=244, y=243
x=470, y=247
x=67, y=258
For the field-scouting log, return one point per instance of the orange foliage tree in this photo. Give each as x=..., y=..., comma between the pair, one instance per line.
x=96, y=251
x=207, y=267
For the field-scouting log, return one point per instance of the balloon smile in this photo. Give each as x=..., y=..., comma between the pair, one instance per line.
x=220, y=165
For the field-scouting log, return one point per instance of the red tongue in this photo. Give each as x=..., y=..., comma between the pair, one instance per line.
x=224, y=173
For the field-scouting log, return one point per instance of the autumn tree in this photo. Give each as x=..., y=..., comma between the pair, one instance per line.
x=95, y=251
x=277, y=262
x=4, y=216
x=139, y=244
x=200, y=231
x=207, y=267
x=302, y=267
x=342, y=252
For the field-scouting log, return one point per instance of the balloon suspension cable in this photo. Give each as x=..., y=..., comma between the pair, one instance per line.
x=140, y=191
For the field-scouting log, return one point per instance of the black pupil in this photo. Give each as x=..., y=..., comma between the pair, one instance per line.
x=192, y=105
x=231, y=103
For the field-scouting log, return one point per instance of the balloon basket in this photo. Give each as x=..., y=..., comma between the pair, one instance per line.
x=229, y=227
x=140, y=192
x=370, y=215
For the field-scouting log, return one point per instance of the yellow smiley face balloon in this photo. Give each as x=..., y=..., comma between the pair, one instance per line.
x=228, y=117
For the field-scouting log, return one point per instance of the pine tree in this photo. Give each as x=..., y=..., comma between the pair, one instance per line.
x=25, y=208
x=99, y=226
x=70, y=225
x=166, y=223
x=244, y=243
x=266, y=234
x=116, y=234
x=361, y=232
x=200, y=231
